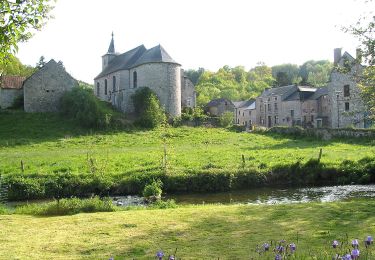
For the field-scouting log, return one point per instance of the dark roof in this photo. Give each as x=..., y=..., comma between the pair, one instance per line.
x=155, y=54
x=283, y=91
x=301, y=93
x=12, y=82
x=123, y=61
x=111, y=48
x=320, y=92
x=217, y=101
x=246, y=103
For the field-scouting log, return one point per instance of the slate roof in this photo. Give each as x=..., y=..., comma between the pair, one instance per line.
x=155, y=54
x=320, y=92
x=251, y=106
x=216, y=102
x=239, y=104
x=123, y=61
x=135, y=57
x=283, y=91
x=11, y=82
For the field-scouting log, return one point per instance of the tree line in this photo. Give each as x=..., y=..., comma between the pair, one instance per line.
x=238, y=84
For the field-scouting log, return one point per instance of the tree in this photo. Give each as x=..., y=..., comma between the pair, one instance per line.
x=315, y=73
x=18, y=20
x=194, y=75
x=41, y=62
x=364, y=31
x=16, y=68
x=286, y=74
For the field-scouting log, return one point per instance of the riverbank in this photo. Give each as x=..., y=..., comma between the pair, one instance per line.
x=198, y=232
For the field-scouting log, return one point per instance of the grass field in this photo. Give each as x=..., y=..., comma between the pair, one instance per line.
x=199, y=232
x=46, y=143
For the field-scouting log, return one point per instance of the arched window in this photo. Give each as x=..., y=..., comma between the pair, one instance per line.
x=135, y=79
x=97, y=88
x=105, y=87
x=114, y=84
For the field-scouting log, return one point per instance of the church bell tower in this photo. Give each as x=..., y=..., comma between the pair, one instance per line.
x=110, y=55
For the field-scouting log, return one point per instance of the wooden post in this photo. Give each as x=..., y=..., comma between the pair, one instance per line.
x=22, y=166
x=243, y=161
x=320, y=154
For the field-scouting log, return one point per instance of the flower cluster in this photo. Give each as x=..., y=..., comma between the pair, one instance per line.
x=160, y=255
x=281, y=250
x=352, y=254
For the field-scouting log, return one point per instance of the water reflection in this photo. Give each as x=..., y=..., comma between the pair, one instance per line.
x=279, y=196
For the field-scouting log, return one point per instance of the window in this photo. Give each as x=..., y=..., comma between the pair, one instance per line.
x=249, y=112
x=275, y=106
x=304, y=119
x=292, y=113
x=275, y=98
x=114, y=84
x=135, y=79
x=346, y=91
x=276, y=120
x=97, y=88
x=346, y=106
x=243, y=113
x=269, y=107
x=239, y=112
x=312, y=118
x=105, y=87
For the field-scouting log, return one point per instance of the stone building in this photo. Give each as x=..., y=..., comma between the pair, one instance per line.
x=217, y=107
x=122, y=74
x=347, y=107
x=244, y=112
x=10, y=90
x=43, y=90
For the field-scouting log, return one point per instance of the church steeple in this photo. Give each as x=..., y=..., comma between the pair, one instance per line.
x=111, y=48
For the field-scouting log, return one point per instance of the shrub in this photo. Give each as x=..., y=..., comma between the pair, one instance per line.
x=68, y=207
x=147, y=108
x=153, y=189
x=82, y=105
x=161, y=204
x=3, y=210
x=226, y=119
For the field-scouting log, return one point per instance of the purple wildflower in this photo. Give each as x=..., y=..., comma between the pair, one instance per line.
x=266, y=246
x=279, y=249
x=171, y=257
x=278, y=257
x=355, y=243
x=369, y=240
x=346, y=257
x=355, y=253
x=335, y=243
x=292, y=247
x=160, y=254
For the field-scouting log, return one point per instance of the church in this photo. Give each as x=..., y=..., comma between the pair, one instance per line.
x=122, y=74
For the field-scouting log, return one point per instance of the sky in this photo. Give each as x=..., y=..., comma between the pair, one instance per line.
x=196, y=33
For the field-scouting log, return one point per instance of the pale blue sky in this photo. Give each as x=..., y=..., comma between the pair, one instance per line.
x=196, y=33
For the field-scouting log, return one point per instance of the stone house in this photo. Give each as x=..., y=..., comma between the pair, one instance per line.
x=43, y=90
x=347, y=107
x=217, y=107
x=244, y=112
x=122, y=74
x=10, y=90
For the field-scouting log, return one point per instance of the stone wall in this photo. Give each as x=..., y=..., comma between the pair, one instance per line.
x=44, y=89
x=8, y=95
x=188, y=95
x=325, y=133
x=164, y=79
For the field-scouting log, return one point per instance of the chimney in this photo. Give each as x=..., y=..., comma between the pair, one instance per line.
x=336, y=56
x=359, y=55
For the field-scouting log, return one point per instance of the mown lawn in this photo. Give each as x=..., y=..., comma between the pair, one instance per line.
x=198, y=232
x=46, y=143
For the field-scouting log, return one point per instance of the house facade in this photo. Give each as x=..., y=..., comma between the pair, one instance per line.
x=122, y=74
x=217, y=107
x=244, y=112
x=43, y=90
x=10, y=90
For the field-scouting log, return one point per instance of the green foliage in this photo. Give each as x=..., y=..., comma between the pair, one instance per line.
x=82, y=105
x=194, y=75
x=14, y=67
x=226, y=119
x=18, y=20
x=148, y=109
x=286, y=74
x=68, y=207
x=153, y=189
x=164, y=204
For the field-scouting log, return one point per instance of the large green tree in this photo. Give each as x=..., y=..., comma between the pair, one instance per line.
x=18, y=20
x=364, y=31
x=14, y=67
x=286, y=74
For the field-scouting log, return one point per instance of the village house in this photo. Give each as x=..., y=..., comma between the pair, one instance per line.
x=219, y=106
x=43, y=90
x=244, y=112
x=10, y=90
x=122, y=74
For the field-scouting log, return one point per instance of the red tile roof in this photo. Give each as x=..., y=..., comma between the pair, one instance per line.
x=14, y=82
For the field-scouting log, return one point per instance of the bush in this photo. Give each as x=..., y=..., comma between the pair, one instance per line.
x=68, y=207
x=82, y=105
x=226, y=119
x=153, y=190
x=148, y=109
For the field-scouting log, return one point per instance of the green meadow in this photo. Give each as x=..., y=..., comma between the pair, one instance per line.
x=198, y=232
x=46, y=143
